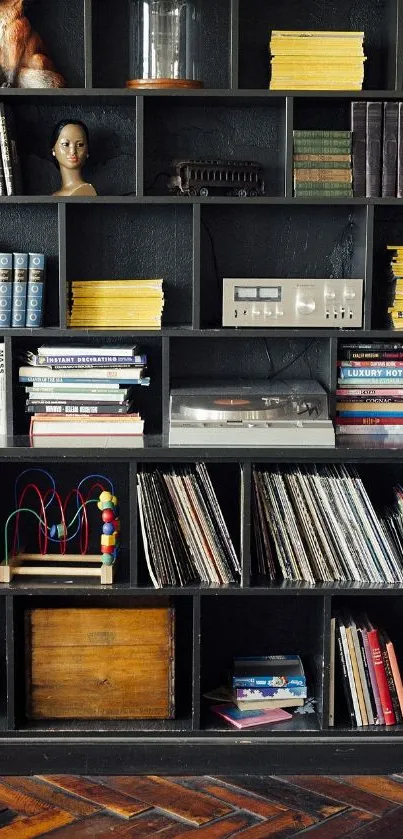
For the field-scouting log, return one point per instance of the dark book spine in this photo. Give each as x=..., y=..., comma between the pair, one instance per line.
x=49, y=407
x=35, y=290
x=389, y=678
x=6, y=156
x=20, y=277
x=3, y=187
x=345, y=679
x=389, y=151
x=373, y=153
x=358, y=127
x=367, y=675
x=400, y=152
x=6, y=288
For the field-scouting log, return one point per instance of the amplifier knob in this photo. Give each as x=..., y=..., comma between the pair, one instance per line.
x=349, y=295
x=305, y=307
x=330, y=295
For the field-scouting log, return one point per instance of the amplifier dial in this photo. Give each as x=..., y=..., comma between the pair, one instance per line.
x=305, y=306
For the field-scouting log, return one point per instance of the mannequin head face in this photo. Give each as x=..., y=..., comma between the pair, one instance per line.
x=70, y=145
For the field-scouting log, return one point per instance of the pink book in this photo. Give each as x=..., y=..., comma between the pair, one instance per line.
x=374, y=683
x=247, y=719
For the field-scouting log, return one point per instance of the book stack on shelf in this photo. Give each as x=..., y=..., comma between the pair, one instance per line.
x=116, y=304
x=395, y=277
x=22, y=284
x=370, y=389
x=322, y=164
x=261, y=688
x=377, y=149
x=83, y=390
x=317, y=523
x=370, y=672
x=10, y=169
x=309, y=60
x=186, y=540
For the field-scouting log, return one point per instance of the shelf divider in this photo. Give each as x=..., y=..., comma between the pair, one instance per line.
x=88, y=43
x=140, y=146
x=133, y=552
x=369, y=249
x=8, y=372
x=10, y=669
x=196, y=670
x=166, y=381
x=289, y=147
x=327, y=614
x=62, y=266
x=196, y=266
x=234, y=45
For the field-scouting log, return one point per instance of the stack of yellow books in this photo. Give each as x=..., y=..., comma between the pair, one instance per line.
x=396, y=276
x=316, y=60
x=116, y=304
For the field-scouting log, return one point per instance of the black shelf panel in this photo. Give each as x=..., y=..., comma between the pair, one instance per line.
x=264, y=200
x=117, y=94
x=218, y=332
x=128, y=727
x=57, y=588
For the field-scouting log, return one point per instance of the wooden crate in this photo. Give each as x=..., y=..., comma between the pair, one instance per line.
x=100, y=663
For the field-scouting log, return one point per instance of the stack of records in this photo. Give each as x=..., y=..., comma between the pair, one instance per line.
x=370, y=389
x=116, y=304
x=184, y=533
x=316, y=60
x=83, y=390
x=322, y=164
x=395, y=310
x=317, y=524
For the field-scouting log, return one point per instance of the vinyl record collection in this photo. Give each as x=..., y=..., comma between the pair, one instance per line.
x=83, y=390
x=116, y=304
x=317, y=523
x=315, y=60
x=377, y=149
x=370, y=389
x=185, y=537
x=322, y=164
x=370, y=672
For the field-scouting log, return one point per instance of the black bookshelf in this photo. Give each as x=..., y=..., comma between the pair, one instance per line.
x=134, y=221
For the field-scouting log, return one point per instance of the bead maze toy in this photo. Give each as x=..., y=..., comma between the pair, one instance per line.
x=75, y=507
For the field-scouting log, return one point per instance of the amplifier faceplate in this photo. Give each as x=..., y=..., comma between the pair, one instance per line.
x=292, y=302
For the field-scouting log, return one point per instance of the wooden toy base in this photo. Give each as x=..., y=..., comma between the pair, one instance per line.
x=89, y=565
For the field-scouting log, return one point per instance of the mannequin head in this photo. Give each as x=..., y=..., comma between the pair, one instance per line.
x=70, y=144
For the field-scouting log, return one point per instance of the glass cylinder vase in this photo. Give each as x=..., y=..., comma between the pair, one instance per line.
x=164, y=43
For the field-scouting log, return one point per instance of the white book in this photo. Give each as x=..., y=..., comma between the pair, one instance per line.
x=76, y=396
x=354, y=696
x=124, y=425
x=3, y=414
x=75, y=386
x=124, y=352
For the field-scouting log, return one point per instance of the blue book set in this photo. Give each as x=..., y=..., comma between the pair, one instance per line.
x=22, y=278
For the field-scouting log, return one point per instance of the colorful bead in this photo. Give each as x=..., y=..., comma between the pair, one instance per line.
x=107, y=559
x=108, y=540
x=107, y=515
x=108, y=529
x=106, y=549
x=116, y=525
x=105, y=496
x=107, y=505
x=114, y=500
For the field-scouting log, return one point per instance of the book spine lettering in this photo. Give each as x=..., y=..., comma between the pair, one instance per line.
x=55, y=408
x=384, y=692
x=20, y=277
x=5, y=149
x=373, y=151
x=390, y=680
x=375, y=690
x=400, y=152
x=389, y=152
x=35, y=290
x=6, y=288
x=3, y=415
x=396, y=673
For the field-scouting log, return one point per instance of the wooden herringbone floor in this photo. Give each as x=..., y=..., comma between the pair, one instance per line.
x=252, y=807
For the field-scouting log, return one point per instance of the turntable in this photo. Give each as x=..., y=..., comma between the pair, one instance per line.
x=262, y=413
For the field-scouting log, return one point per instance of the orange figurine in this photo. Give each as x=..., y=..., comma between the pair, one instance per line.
x=23, y=58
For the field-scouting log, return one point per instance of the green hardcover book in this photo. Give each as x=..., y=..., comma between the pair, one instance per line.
x=324, y=193
x=338, y=135
x=334, y=186
x=322, y=164
x=322, y=147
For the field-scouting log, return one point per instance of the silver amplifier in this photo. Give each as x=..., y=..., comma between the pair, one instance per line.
x=292, y=302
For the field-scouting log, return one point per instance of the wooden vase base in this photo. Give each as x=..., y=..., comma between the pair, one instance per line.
x=151, y=84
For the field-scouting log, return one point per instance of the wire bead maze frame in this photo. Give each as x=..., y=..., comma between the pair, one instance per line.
x=61, y=522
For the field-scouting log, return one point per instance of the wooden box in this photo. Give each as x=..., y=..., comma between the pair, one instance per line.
x=100, y=663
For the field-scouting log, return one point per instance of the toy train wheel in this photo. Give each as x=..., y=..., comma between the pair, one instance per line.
x=192, y=190
x=252, y=193
x=242, y=193
x=203, y=192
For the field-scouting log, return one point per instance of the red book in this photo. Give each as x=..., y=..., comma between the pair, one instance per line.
x=369, y=420
x=380, y=675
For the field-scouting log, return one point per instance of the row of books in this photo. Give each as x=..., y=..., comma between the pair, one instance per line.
x=395, y=282
x=316, y=60
x=370, y=672
x=322, y=163
x=10, y=170
x=369, y=396
x=116, y=304
x=22, y=283
x=317, y=523
x=377, y=149
x=73, y=390
x=261, y=687
x=185, y=537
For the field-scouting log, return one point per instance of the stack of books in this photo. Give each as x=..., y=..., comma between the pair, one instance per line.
x=116, y=304
x=185, y=537
x=309, y=60
x=370, y=672
x=262, y=686
x=10, y=170
x=83, y=390
x=395, y=310
x=322, y=163
x=22, y=283
x=377, y=149
x=370, y=389
x=318, y=523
